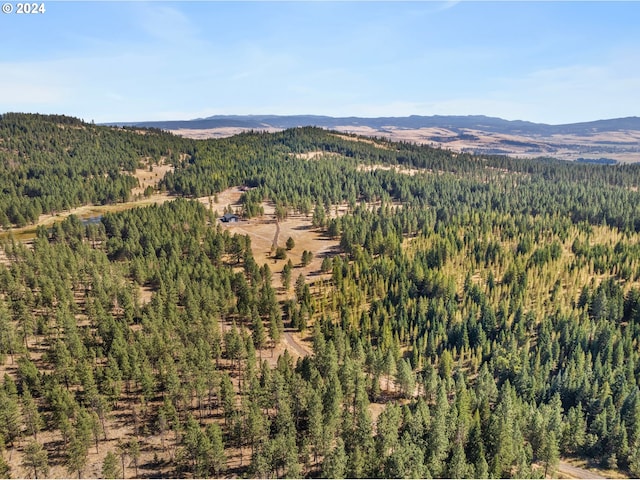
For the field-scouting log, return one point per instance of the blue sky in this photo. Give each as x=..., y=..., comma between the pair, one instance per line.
x=553, y=62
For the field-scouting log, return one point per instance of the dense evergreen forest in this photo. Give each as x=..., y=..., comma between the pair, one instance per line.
x=53, y=163
x=490, y=305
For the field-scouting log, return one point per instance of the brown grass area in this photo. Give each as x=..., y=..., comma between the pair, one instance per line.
x=366, y=131
x=262, y=231
x=85, y=211
x=150, y=178
x=120, y=428
x=567, y=147
x=318, y=154
x=144, y=295
x=229, y=197
x=222, y=132
x=4, y=260
x=395, y=168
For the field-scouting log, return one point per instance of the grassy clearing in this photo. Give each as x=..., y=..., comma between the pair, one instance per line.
x=147, y=177
x=84, y=212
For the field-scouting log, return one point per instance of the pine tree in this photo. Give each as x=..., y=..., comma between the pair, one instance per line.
x=9, y=343
x=257, y=426
x=437, y=441
x=550, y=454
x=76, y=456
x=387, y=427
x=9, y=417
x=36, y=459
x=228, y=397
x=389, y=366
x=123, y=452
x=634, y=460
x=307, y=256
x=286, y=275
x=405, y=378
x=335, y=464
x=258, y=331
x=110, y=469
x=299, y=287
x=575, y=431
x=406, y=461
x=276, y=327
x=327, y=265
x=457, y=466
x=133, y=449
x=290, y=243
x=315, y=422
x=216, y=456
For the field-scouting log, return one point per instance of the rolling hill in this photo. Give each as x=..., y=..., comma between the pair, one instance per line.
x=605, y=141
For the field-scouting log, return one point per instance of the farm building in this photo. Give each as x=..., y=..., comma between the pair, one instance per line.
x=230, y=217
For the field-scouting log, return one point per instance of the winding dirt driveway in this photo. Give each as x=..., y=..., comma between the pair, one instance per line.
x=298, y=348
x=569, y=471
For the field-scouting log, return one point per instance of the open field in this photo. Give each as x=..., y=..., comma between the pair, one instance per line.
x=150, y=177
x=262, y=231
x=218, y=132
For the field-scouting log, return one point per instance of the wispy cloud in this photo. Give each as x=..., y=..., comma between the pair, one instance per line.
x=166, y=23
x=32, y=83
x=577, y=92
x=447, y=5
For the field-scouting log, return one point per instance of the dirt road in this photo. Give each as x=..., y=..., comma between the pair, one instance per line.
x=296, y=346
x=566, y=470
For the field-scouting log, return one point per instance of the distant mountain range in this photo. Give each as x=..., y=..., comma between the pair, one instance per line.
x=613, y=140
x=453, y=122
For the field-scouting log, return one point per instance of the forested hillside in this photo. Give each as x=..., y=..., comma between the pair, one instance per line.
x=52, y=163
x=480, y=319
